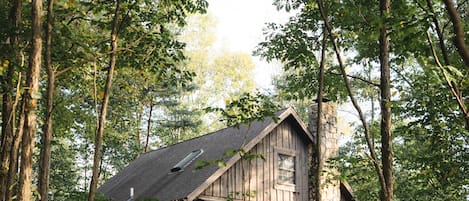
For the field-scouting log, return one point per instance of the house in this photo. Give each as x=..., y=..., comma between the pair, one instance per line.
x=279, y=167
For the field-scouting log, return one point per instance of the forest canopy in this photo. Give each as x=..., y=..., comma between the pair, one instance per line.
x=87, y=86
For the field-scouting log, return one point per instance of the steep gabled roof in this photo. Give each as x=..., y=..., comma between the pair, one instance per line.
x=150, y=174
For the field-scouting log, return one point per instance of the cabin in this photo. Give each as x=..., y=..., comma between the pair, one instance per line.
x=269, y=160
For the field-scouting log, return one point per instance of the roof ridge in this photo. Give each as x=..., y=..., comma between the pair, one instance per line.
x=278, y=113
x=188, y=140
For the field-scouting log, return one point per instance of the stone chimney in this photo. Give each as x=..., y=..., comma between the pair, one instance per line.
x=329, y=147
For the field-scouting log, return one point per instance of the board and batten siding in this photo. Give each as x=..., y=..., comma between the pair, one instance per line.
x=255, y=180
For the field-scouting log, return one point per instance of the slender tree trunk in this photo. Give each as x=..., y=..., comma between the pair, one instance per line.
x=371, y=148
x=44, y=166
x=441, y=39
x=147, y=142
x=460, y=45
x=320, y=158
x=7, y=131
x=139, y=119
x=7, y=104
x=30, y=98
x=14, y=155
x=458, y=28
x=102, y=119
x=385, y=102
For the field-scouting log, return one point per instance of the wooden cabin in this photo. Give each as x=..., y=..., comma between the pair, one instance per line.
x=276, y=166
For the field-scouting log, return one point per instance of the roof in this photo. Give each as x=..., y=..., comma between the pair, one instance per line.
x=346, y=191
x=150, y=174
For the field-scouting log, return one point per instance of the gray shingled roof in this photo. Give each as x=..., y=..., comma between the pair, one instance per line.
x=150, y=174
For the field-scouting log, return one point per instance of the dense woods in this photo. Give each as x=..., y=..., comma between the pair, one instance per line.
x=405, y=56
x=87, y=86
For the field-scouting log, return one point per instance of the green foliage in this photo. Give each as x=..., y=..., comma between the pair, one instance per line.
x=296, y=45
x=150, y=59
x=247, y=108
x=221, y=162
x=356, y=168
x=430, y=140
x=433, y=152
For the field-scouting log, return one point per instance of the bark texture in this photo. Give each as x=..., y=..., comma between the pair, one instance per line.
x=14, y=155
x=320, y=160
x=44, y=166
x=30, y=100
x=458, y=28
x=385, y=102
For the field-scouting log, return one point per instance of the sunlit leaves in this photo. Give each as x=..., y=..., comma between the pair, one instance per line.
x=246, y=109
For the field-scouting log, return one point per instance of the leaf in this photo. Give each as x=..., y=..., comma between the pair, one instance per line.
x=454, y=71
x=100, y=95
x=70, y=3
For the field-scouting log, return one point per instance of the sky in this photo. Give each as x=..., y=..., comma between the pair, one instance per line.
x=239, y=28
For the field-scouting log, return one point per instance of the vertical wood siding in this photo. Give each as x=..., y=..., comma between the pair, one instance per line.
x=257, y=176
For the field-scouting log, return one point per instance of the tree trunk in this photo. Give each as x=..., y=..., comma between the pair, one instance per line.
x=319, y=154
x=458, y=28
x=139, y=119
x=147, y=142
x=102, y=118
x=441, y=39
x=30, y=100
x=7, y=105
x=44, y=166
x=385, y=102
x=14, y=155
x=369, y=142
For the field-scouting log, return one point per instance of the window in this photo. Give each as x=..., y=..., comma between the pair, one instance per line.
x=286, y=169
x=285, y=173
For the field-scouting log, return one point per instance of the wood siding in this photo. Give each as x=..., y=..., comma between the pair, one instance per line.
x=257, y=177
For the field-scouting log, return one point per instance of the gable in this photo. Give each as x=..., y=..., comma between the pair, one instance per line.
x=257, y=178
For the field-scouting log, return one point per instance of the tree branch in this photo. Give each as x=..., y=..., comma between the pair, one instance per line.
x=358, y=78
x=452, y=88
x=441, y=40
x=60, y=72
x=458, y=28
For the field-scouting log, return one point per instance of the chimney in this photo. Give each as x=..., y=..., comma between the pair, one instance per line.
x=329, y=189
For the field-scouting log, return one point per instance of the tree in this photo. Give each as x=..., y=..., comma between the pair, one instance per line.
x=30, y=100
x=12, y=61
x=355, y=27
x=458, y=31
x=385, y=91
x=79, y=49
x=168, y=9
x=105, y=101
x=44, y=168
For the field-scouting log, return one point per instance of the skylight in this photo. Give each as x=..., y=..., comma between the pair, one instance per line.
x=186, y=161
